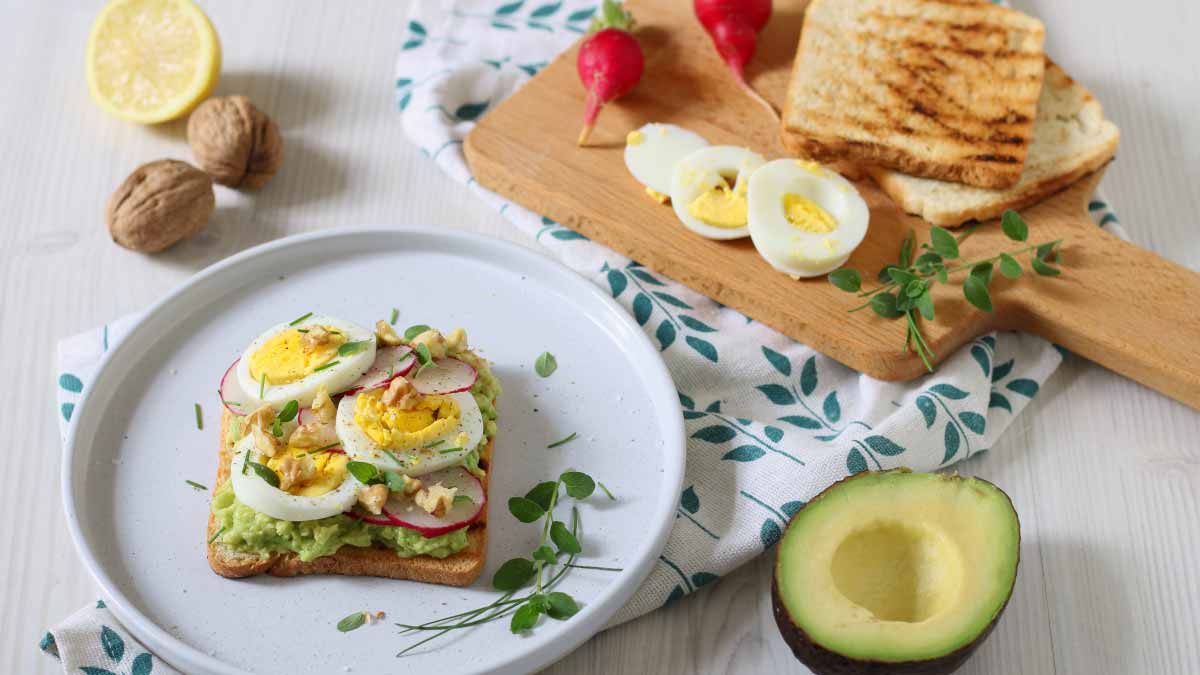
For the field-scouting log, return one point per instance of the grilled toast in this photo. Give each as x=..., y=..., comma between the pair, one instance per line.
x=934, y=88
x=1071, y=138
x=459, y=569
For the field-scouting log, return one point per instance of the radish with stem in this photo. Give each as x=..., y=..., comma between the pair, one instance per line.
x=610, y=62
x=733, y=26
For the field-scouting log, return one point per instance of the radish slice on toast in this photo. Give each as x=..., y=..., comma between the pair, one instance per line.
x=390, y=362
x=405, y=512
x=445, y=376
x=233, y=397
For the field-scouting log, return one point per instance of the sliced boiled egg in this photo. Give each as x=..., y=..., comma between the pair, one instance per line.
x=293, y=360
x=435, y=433
x=652, y=151
x=308, y=485
x=803, y=218
x=709, y=189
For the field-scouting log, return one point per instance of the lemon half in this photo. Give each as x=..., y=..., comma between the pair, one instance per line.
x=150, y=61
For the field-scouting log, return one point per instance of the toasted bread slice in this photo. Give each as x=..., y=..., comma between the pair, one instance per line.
x=935, y=88
x=1071, y=139
x=459, y=569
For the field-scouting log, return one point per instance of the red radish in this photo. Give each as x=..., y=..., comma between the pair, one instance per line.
x=445, y=376
x=402, y=511
x=233, y=397
x=390, y=362
x=733, y=26
x=610, y=62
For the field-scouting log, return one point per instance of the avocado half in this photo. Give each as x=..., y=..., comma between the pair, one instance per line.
x=895, y=572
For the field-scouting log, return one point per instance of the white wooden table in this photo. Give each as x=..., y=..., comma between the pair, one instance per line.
x=1105, y=474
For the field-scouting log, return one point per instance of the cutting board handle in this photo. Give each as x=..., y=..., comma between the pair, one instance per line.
x=1125, y=308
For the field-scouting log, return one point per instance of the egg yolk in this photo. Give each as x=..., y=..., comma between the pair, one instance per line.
x=392, y=427
x=657, y=196
x=811, y=167
x=286, y=358
x=321, y=472
x=635, y=138
x=721, y=206
x=805, y=214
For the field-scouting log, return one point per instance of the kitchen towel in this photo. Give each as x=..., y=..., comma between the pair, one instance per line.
x=770, y=422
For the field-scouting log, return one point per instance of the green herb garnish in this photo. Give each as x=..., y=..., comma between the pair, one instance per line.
x=562, y=441
x=355, y=620
x=352, y=348
x=264, y=472
x=525, y=610
x=245, y=462
x=323, y=448
x=395, y=316
x=393, y=456
x=395, y=481
x=545, y=364
x=262, y=385
x=905, y=287
x=463, y=499
x=300, y=319
x=413, y=331
x=289, y=412
x=277, y=427
x=365, y=472
x=196, y=485
x=224, y=402
x=216, y=534
x=449, y=451
x=326, y=366
x=605, y=489
x=199, y=417
x=424, y=358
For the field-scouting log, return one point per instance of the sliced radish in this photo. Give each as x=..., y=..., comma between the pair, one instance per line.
x=233, y=397
x=390, y=362
x=445, y=376
x=406, y=513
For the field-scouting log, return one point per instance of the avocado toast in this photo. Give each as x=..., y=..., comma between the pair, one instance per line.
x=391, y=481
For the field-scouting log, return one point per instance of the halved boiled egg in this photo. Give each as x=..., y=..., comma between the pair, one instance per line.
x=435, y=433
x=309, y=485
x=803, y=218
x=293, y=360
x=652, y=151
x=709, y=187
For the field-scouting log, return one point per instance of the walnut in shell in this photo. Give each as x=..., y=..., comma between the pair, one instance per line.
x=236, y=143
x=159, y=204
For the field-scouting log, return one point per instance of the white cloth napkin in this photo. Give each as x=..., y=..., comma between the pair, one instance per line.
x=770, y=422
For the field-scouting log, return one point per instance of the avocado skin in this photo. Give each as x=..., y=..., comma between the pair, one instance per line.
x=822, y=661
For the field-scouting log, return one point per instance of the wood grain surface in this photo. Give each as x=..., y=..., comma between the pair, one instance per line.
x=1104, y=473
x=525, y=150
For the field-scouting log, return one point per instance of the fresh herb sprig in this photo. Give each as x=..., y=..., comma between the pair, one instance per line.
x=904, y=290
x=544, y=567
x=199, y=417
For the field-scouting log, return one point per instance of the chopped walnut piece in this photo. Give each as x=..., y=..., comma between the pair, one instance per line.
x=433, y=340
x=315, y=337
x=261, y=418
x=412, y=485
x=323, y=408
x=436, y=499
x=295, y=470
x=386, y=334
x=313, y=435
x=373, y=498
x=456, y=342
x=401, y=393
x=265, y=442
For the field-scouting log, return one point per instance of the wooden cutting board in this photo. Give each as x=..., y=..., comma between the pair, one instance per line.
x=1115, y=304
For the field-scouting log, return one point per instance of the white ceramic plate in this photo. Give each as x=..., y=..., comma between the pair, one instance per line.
x=141, y=530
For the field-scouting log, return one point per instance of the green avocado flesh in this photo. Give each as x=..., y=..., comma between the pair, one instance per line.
x=248, y=531
x=896, y=567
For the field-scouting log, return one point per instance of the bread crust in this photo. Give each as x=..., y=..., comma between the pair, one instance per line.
x=908, y=116
x=459, y=569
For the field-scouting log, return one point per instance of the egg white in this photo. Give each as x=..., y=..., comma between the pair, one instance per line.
x=361, y=447
x=701, y=171
x=335, y=379
x=652, y=161
x=259, y=495
x=788, y=248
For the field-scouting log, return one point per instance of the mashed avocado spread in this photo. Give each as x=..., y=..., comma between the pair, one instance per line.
x=244, y=529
